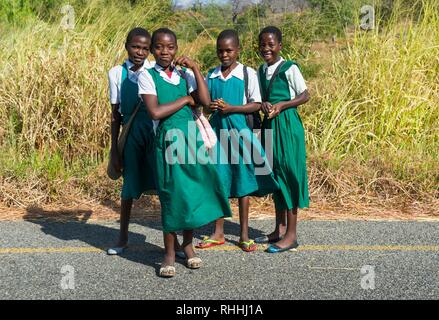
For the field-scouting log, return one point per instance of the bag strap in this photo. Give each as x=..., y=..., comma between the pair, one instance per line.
x=182, y=73
x=270, y=85
x=123, y=78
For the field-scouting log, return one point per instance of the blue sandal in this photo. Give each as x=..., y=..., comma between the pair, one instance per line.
x=275, y=249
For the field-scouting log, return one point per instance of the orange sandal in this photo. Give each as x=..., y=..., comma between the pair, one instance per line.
x=248, y=246
x=207, y=243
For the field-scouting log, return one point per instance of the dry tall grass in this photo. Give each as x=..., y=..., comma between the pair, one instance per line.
x=371, y=125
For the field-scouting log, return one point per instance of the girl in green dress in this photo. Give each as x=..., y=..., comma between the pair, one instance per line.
x=283, y=89
x=234, y=90
x=190, y=192
x=137, y=164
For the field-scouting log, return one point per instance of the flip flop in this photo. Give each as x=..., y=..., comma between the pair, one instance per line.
x=207, y=243
x=248, y=246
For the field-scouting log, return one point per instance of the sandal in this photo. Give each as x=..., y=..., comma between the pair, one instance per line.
x=116, y=251
x=265, y=239
x=248, y=246
x=207, y=243
x=167, y=271
x=180, y=254
x=194, y=263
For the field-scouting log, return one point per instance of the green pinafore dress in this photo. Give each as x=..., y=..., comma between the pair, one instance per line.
x=138, y=159
x=289, y=153
x=191, y=194
x=239, y=177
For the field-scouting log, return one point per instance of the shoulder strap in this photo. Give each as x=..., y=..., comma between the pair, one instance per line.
x=276, y=72
x=247, y=96
x=124, y=72
x=124, y=76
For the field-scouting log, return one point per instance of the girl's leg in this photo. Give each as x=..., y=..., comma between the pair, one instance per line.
x=218, y=233
x=187, y=243
x=177, y=246
x=169, y=240
x=280, y=227
x=291, y=233
x=125, y=213
x=192, y=261
x=244, y=204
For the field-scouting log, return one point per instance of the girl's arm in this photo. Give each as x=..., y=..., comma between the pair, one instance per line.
x=225, y=108
x=284, y=105
x=299, y=100
x=116, y=121
x=157, y=112
x=253, y=95
x=148, y=93
x=201, y=94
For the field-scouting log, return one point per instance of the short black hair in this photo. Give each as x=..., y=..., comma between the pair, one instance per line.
x=228, y=34
x=164, y=31
x=273, y=30
x=137, y=32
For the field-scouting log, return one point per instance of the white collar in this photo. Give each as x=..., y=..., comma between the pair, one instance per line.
x=159, y=68
x=175, y=76
x=273, y=66
x=237, y=72
x=129, y=64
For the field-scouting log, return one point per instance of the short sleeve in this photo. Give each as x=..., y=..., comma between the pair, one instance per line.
x=146, y=84
x=192, y=82
x=113, y=85
x=253, y=86
x=296, y=81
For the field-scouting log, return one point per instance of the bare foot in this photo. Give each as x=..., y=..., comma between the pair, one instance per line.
x=189, y=251
x=168, y=261
x=276, y=234
x=218, y=237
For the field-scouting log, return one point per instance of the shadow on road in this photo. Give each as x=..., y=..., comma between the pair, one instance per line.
x=70, y=225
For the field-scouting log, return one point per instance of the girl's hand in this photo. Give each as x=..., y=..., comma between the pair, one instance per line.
x=213, y=106
x=266, y=107
x=115, y=158
x=191, y=101
x=275, y=111
x=223, y=106
x=185, y=62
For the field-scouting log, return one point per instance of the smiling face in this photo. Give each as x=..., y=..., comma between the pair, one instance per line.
x=138, y=49
x=269, y=48
x=164, y=49
x=227, y=51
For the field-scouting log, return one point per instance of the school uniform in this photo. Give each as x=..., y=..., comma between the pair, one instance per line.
x=138, y=176
x=238, y=175
x=190, y=192
x=289, y=153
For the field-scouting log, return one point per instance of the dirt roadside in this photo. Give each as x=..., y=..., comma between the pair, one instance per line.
x=150, y=209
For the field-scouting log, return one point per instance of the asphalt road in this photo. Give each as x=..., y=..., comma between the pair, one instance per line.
x=336, y=260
